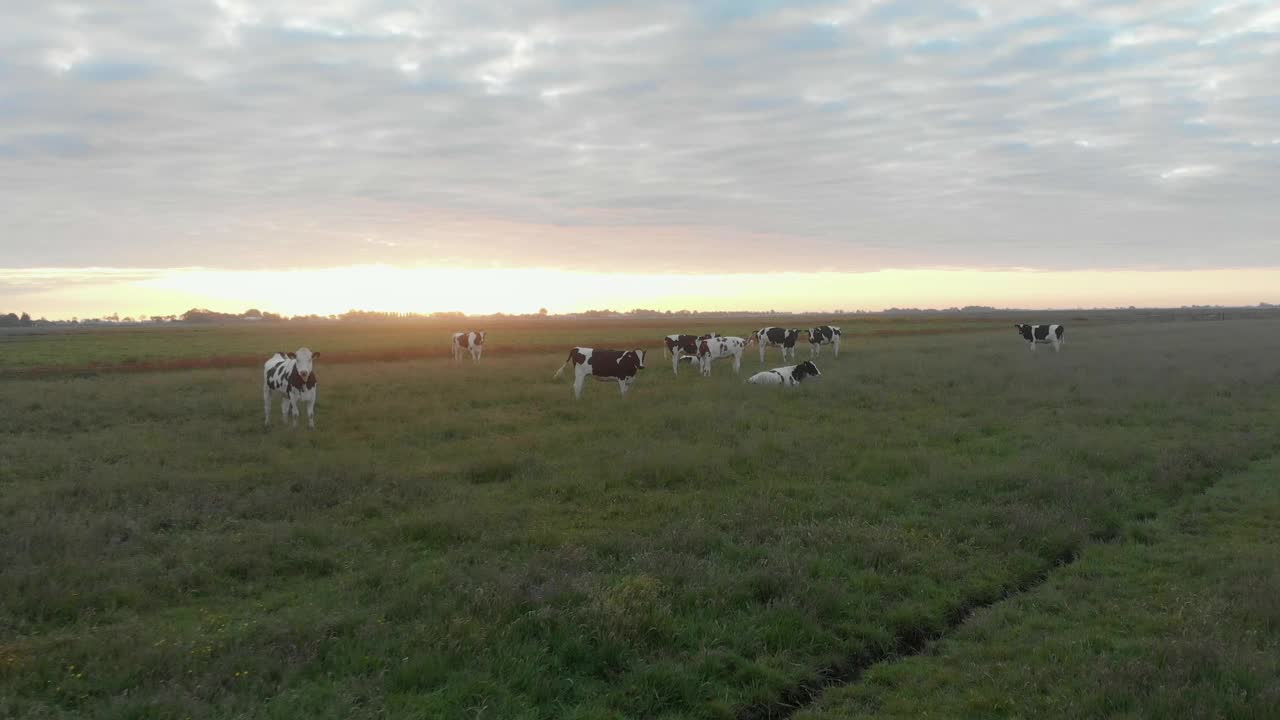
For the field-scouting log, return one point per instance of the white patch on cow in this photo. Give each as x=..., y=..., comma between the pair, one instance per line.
x=788, y=376
x=717, y=348
x=292, y=376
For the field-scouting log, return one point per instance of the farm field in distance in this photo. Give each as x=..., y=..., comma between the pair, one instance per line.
x=466, y=541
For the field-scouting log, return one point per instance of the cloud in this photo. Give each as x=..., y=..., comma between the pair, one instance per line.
x=592, y=135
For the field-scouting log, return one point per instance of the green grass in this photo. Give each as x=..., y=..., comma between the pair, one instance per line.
x=63, y=347
x=1180, y=617
x=470, y=542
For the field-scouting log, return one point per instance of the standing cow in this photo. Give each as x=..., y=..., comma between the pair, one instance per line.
x=1042, y=334
x=721, y=347
x=786, y=376
x=776, y=337
x=291, y=375
x=620, y=366
x=824, y=335
x=472, y=341
x=679, y=347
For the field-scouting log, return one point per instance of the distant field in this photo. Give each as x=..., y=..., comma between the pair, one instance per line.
x=470, y=542
x=236, y=344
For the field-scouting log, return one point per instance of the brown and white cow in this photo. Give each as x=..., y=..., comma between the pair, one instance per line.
x=720, y=347
x=620, y=366
x=679, y=347
x=776, y=337
x=472, y=341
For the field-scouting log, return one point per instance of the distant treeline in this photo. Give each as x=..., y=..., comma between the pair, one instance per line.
x=253, y=315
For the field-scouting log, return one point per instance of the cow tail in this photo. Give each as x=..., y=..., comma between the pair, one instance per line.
x=565, y=365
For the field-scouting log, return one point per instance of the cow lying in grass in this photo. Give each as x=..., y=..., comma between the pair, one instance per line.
x=786, y=376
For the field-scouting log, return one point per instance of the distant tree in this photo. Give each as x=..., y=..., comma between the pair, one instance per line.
x=252, y=313
x=542, y=312
x=9, y=320
x=25, y=320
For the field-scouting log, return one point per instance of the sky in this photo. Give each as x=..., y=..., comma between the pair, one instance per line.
x=321, y=155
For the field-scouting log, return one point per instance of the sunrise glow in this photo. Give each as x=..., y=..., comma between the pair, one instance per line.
x=142, y=292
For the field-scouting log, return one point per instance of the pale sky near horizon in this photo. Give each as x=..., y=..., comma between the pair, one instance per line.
x=321, y=155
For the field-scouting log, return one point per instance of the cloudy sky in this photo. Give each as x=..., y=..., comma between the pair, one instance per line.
x=141, y=140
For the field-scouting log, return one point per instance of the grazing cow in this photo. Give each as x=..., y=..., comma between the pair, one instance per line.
x=1042, y=334
x=786, y=376
x=824, y=335
x=617, y=365
x=776, y=337
x=721, y=347
x=293, y=376
x=679, y=347
x=472, y=341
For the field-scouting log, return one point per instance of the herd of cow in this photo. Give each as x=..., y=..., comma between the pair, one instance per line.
x=292, y=376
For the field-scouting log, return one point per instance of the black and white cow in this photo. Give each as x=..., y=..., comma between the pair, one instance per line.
x=291, y=375
x=776, y=337
x=617, y=365
x=1042, y=334
x=679, y=347
x=719, y=347
x=824, y=335
x=472, y=341
x=786, y=376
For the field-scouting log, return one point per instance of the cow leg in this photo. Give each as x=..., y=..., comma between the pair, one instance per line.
x=675, y=361
x=311, y=410
x=737, y=363
x=624, y=386
x=266, y=405
x=578, y=381
x=814, y=349
x=761, y=353
x=285, y=409
x=1056, y=347
x=835, y=347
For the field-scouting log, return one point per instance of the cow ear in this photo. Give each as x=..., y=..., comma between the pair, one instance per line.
x=315, y=355
x=291, y=355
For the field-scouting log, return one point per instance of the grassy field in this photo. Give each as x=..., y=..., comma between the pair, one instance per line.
x=469, y=542
x=248, y=343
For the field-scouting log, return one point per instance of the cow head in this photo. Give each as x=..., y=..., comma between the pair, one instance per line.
x=480, y=336
x=1023, y=329
x=804, y=370
x=304, y=361
x=815, y=335
x=639, y=355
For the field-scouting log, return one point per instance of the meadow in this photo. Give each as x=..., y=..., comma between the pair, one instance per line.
x=943, y=525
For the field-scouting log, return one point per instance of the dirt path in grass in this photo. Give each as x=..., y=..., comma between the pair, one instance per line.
x=396, y=354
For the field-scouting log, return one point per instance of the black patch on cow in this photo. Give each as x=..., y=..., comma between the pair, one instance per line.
x=789, y=340
x=577, y=357
x=297, y=383
x=688, y=344
x=823, y=334
x=804, y=370
x=775, y=335
x=619, y=364
x=1025, y=331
